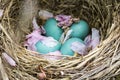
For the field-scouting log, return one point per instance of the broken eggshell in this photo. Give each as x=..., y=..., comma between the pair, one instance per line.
x=80, y=29
x=66, y=47
x=52, y=29
x=47, y=45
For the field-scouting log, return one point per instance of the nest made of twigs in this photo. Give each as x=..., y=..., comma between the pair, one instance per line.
x=101, y=63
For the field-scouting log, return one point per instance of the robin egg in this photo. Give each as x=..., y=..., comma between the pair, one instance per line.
x=52, y=29
x=80, y=29
x=66, y=47
x=48, y=45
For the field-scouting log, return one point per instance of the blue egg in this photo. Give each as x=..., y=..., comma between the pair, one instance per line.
x=80, y=29
x=66, y=47
x=52, y=29
x=43, y=49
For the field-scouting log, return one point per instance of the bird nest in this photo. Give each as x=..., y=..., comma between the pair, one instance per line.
x=102, y=63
